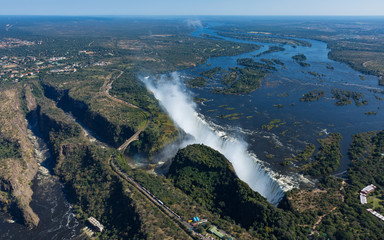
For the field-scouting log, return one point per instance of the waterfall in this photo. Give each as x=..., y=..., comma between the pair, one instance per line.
x=176, y=100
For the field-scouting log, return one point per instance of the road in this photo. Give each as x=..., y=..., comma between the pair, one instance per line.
x=106, y=88
x=183, y=224
x=157, y=202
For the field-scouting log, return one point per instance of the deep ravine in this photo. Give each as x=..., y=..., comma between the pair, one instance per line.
x=57, y=219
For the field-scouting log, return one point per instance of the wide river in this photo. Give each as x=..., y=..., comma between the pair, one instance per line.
x=304, y=122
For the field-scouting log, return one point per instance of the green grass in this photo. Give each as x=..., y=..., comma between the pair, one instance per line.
x=374, y=200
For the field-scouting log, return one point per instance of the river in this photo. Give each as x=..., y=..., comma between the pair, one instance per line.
x=57, y=219
x=303, y=122
x=261, y=151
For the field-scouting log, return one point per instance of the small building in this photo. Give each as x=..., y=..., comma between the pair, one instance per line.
x=363, y=199
x=368, y=189
x=378, y=215
x=213, y=230
x=96, y=224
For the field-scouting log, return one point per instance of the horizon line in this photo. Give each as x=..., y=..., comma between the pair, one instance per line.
x=176, y=15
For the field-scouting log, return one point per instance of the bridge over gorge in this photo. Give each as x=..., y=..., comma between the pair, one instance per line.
x=105, y=89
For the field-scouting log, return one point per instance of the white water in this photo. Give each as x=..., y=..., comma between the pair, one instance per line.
x=173, y=96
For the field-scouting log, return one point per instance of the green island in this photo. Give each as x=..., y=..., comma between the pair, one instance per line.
x=210, y=73
x=364, y=53
x=245, y=80
x=376, y=91
x=232, y=116
x=275, y=123
x=267, y=61
x=327, y=159
x=315, y=74
x=312, y=96
x=345, y=97
x=370, y=113
x=251, y=63
x=278, y=62
x=201, y=81
x=303, y=156
x=60, y=80
x=300, y=59
x=199, y=100
x=196, y=82
x=241, y=81
x=72, y=80
x=271, y=49
x=278, y=105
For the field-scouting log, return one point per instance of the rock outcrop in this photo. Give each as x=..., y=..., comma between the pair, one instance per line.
x=18, y=166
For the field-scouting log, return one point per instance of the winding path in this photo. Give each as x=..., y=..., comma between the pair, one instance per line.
x=171, y=214
x=183, y=224
x=105, y=89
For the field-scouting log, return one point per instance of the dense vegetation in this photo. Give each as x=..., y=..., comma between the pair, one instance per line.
x=271, y=49
x=277, y=61
x=84, y=170
x=196, y=82
x=164, y=189
x=9, y=148
x=327, y=159
x=312, y=96
x=303, y=156
x=300, y=59
x=93, y=188
x=210, y=73
x=208, y=177
x=351, y=220
x=251, y=63
x=245, y=80
x=241, y=81
x=161, y=131
x=368, y=161
x=345, y=97
x=96, y=192
x=363, y=53
x=370, y=113
x=343, y=216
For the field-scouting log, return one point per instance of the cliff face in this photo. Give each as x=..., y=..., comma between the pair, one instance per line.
x=83, y=169
x=208, y=177
x=18, y=166
x=113, y=134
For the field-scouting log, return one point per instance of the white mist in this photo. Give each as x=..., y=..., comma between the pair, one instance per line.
x=174, y=97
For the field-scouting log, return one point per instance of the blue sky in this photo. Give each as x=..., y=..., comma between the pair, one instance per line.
x=192, y=7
